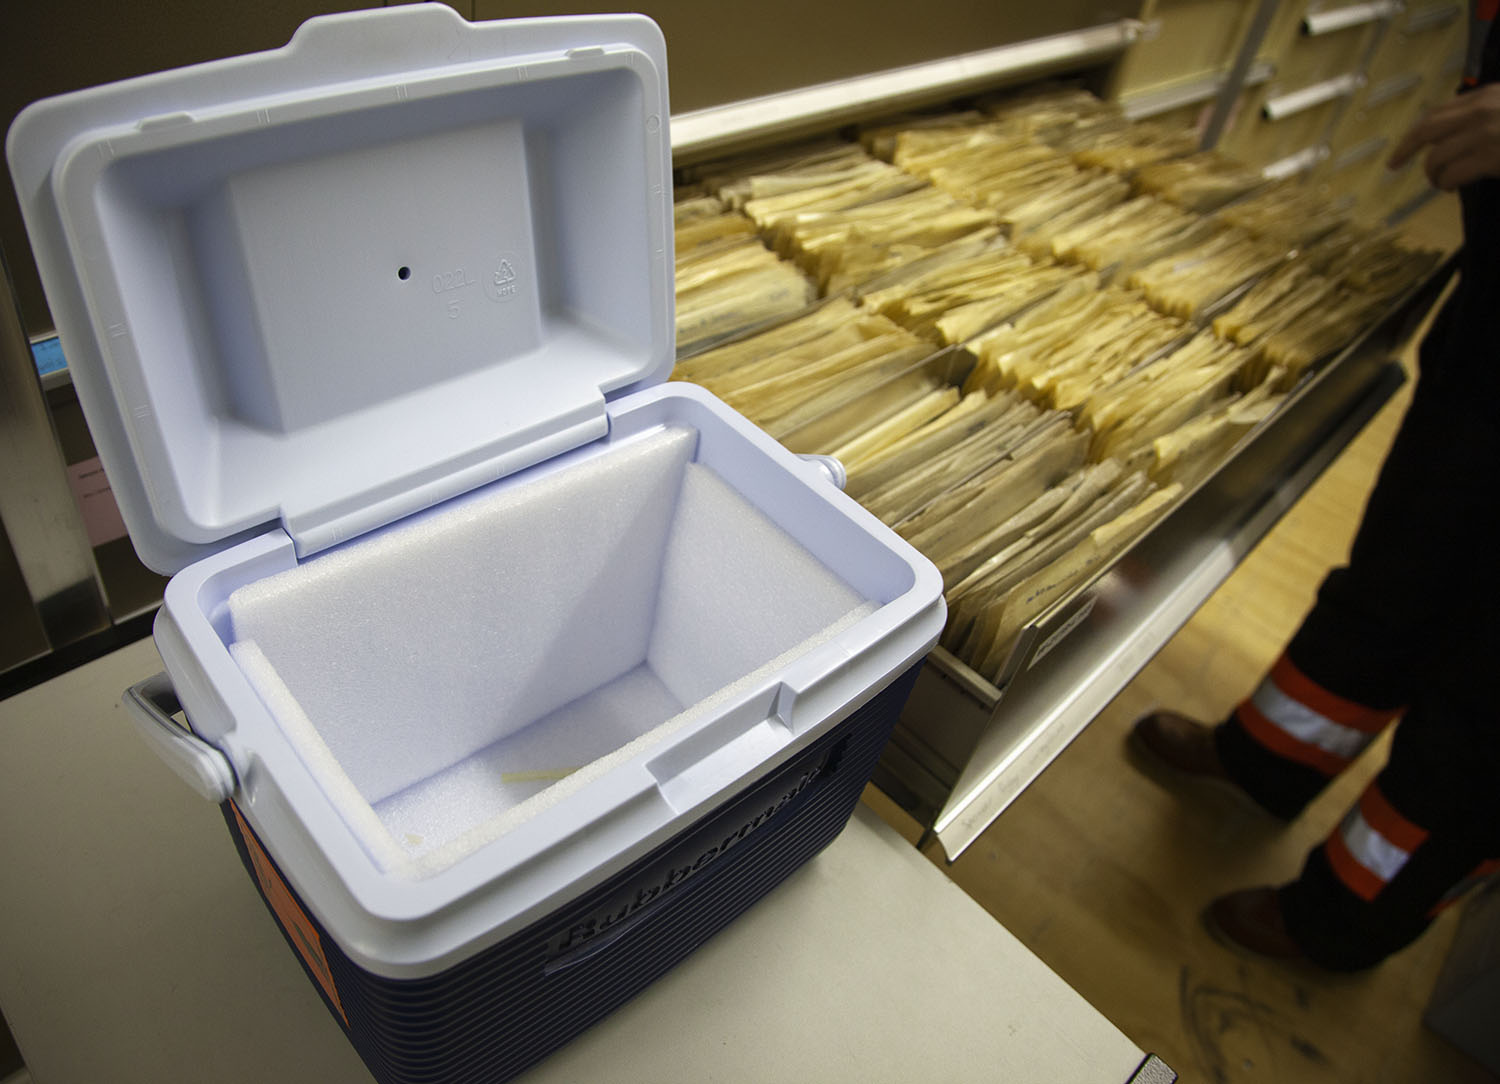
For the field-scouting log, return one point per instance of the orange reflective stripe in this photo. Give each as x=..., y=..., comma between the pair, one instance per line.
x=1337, y=709
x=1380, y=815
x=1372, y=844
x=1285, y=745
x=1356, y=878
x=1488, y=868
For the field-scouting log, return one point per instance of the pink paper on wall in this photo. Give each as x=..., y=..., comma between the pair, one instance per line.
x=96, y=501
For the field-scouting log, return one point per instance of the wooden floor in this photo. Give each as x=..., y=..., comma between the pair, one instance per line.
x=1103, y=871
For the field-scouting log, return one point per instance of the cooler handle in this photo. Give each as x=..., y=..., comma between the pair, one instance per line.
x=151, y=705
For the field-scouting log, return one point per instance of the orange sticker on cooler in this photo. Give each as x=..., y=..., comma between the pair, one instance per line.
x=294, y=920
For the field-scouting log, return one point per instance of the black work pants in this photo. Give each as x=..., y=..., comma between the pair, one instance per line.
x=1407, y=629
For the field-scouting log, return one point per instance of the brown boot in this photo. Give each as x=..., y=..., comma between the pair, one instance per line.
x=1181, y=744
x=1251, y=920
x=1180, y=752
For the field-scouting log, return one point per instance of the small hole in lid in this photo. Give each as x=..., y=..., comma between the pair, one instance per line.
x=403, y=273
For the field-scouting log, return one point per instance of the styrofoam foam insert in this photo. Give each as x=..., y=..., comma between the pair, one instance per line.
x=528, y=762
x=447, y=671
x=415, y=647
x=440, y=820
x=735, y=591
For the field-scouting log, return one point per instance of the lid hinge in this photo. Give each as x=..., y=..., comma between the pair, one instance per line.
x=353, y=515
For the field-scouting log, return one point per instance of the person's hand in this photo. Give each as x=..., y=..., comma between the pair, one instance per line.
x=1463, y=137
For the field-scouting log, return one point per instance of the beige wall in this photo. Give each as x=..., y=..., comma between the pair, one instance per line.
x=722, y=52
x=718, y=52
x=48, y=47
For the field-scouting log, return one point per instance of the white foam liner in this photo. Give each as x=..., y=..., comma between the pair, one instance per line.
x=449, y=677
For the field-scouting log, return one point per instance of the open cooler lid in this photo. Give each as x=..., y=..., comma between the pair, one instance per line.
x=334, y=283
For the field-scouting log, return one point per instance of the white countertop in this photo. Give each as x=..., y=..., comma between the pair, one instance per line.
x=134, y=947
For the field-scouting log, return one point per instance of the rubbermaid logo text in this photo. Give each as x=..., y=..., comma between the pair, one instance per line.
x=663, y=881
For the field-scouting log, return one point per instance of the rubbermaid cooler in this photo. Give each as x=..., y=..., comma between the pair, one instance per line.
x=517, y=672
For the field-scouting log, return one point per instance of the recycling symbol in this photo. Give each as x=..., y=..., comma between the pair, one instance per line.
x=503, y=284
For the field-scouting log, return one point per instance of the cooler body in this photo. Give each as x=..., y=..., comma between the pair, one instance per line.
x=463, y=920
x=516, y=669
x=492, y=1016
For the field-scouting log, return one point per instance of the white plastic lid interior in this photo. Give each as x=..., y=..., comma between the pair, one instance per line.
x=334, y=303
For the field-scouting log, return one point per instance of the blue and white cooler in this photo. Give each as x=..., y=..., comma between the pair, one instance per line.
x=516, y=671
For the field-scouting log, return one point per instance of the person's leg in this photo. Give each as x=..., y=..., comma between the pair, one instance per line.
x=1425, y=829
x=1406, y=622
x=1367, y=647
x=1294, y=734
x=1430, y=822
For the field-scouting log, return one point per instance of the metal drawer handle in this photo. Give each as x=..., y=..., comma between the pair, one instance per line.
x=150, y=705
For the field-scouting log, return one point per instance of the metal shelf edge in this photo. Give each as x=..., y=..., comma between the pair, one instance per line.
x=699, y=132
